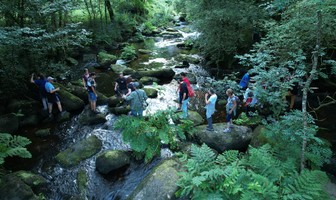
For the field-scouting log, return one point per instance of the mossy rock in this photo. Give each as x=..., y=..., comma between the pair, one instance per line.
x=79, y=151
x=149, y=80
x=43, y=132
x=120, y=110
x=105, y=84
x=79, y=91
x=25, y=107
x=13, y=188
x=91, y=119
x=112, y=160
x=160, y=184
x=71, y=61
x=118, y=68
x=9, y=123
x=105, y=59
x=188, y=58
x=192, y=116
x=144, y=51
x=115, y=101
x=69, y=101
x=31, y=179
x=151, y=92
x=258, y=138
x=161, y=74
x=82, y=181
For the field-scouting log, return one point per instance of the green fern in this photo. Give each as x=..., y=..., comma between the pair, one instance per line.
x=13, y=146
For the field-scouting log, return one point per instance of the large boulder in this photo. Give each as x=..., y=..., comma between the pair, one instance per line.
x=116, y=68
x=79, y=151
x=165, y=75
x=192, y=116
x=120, y=110
x=151, y=92
x=31, y=179
x=69, y=101
x=9, y=123
x=105, y=84
x=112, y=160
x=148, y=80
x=89, y=118
x=238, y=139
x=13, y=188
x=188, y=58
x=160, y=184
x=105, y=59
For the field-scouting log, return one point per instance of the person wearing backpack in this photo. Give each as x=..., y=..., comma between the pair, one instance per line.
x=184, y=97
x=40, y=82
x=136, y=98
x=231, y=106
x=185, y=80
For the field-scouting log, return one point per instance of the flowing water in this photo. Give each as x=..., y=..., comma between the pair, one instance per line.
x=63, y=181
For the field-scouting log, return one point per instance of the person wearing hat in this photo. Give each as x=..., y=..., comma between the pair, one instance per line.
x=136, y=99
x=52, y=96
x=91, y=87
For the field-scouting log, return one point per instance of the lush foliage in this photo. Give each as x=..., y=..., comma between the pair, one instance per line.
x=13, y=146
x=226, y=27
x=128, y=53
x=259, y=174
x=146, y=135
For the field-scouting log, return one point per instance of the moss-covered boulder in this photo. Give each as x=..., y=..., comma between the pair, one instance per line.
x=149, y=80
x=120, y=110
x=89, y=118
x=189, y=58
x=105, y=59
x=13, y=188
x=193, y=116
x=118, y=68
x=144, y=51
x=151, y=92
x=26, y=108
x=115, y=101
x=9, y=123
x=105, y=84
x=171, y=34
x=79, y=151
x=79, y=91
x=258, y=138
x=69, y=101
x=162, y=74
x=160, y=184
x=82, y=181
x=112, y=160
x=238, y=139
x=43, y=132
x=31, y=179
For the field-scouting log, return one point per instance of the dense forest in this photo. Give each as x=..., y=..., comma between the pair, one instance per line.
x=273, y=39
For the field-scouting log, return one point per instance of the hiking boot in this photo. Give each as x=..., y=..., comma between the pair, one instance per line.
x=227, y=130
x=209, y=129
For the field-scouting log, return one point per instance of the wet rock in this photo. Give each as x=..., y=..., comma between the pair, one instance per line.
x=112, y=160
x=258, y=138
x=90, y=118
x=105, y=84
x=151, y=92
x=9, y=123
x=160, y=184
x=79, y=91
x=144, y=51
x=13, y=188
x=115, y=101
x=105, y=59
x=188, y=58
x=102, y=99
x=118, y=68
x=171, y=34
x=193, y=116
x=31, y=179
x=43, y=132
x=161, y=74
x=82, y=181
x=120, y=110
x=69, y=101
x=238, y=139
x=79, y=151
x=148, y=80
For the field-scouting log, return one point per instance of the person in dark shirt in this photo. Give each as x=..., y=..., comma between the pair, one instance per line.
x=120, y=86
x=40, y=82
x=184, y=98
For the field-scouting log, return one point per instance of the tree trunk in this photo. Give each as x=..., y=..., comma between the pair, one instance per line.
x=109, y=9
x=313, y=74
x=88, y=10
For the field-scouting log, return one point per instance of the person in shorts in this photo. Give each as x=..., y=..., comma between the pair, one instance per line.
x=91, y=87
x=52, y=96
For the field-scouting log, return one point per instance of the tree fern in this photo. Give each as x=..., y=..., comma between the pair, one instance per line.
x=13, y=146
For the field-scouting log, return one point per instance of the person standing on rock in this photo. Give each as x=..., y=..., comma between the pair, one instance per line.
x=91, y=87
x=185, y=80
x=136, y=99
x=231, y=106
x=210, y=107
x=52, y=96
x=40, y=82
x=120, y=86
x=184, y=97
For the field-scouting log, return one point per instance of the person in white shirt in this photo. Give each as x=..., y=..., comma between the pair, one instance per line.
x=210, y=107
